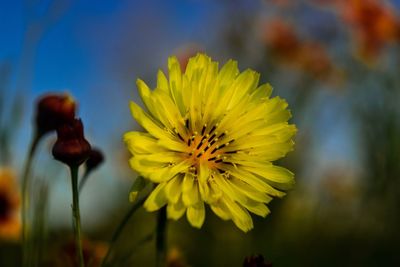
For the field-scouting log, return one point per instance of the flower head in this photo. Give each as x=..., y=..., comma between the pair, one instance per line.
x=71, y=146
x=10, y=224
x=53, y=111
x=210, y=136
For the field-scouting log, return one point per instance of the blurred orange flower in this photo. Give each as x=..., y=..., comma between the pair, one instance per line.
x=374, y=24
x=10, y=224
x=281, y=38
x=285, y=44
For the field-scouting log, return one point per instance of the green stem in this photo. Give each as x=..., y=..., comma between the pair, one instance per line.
x=121, y=226
x=161, y=237
x=76, y=214
x=83, y=181
x=25, y=196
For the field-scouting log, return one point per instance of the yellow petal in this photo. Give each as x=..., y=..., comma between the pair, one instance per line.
x=257, y=208
x=220, y=209
x=156, y=199
x=162, y=82
x=279, y=176
x=146, y=95
x=249, y=191
x=196, y=214
x=173, y=189
x=190, y=191
x=246, y=82
x=257, y=182
x=141, y=143
x=204, y=172
x=176, y=211
x=175, y=82
x=147, y=122
x=262, y=92
x=240, y=216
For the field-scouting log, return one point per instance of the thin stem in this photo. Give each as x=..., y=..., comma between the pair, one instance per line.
x=161, y=237
x=83, y=180
x=121, y=227
x=25, y=196
x=76, y=214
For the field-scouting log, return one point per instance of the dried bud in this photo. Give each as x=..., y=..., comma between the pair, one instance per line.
x=71, y=146
x=94, y=160
x=54, y=111
x=256, y=261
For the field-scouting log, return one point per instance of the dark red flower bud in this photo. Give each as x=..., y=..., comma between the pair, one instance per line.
x=71, y=146
x=53, y=111
x=94, y=160
x=256, y=261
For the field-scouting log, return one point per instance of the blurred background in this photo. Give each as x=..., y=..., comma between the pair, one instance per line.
x=335, y=61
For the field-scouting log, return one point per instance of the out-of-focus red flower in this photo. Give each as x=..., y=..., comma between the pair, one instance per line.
x=281, y=38
x=53, y=110
x=309, y=56
x=10, y=224
x=315, y=59
x=71, y=146
x=373, y=23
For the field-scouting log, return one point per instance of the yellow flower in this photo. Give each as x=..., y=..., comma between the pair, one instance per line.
x=210, y=138
x=10, y=224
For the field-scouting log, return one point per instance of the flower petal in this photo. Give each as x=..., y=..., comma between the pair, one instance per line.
x=190, y=191
x=196, y=214
x=156, y=199
x=173, y=189
x=176, y=210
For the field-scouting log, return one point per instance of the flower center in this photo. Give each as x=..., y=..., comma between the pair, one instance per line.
x=206, y=146
x=4, y=207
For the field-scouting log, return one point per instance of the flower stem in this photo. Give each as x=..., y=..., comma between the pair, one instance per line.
x=121, y=226
x=161, y=237
x=76, y=214
x=25, y=196
x=82, y=182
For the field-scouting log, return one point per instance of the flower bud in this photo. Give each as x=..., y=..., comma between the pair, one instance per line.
x=94, y=160
x=71, y=146
x=256, y=261
x=53, y=111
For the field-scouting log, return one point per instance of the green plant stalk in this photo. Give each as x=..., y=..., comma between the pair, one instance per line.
x=121, y=227
x=161, y=237
x=82, y=182
x=25, y=197
x=76, y=214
